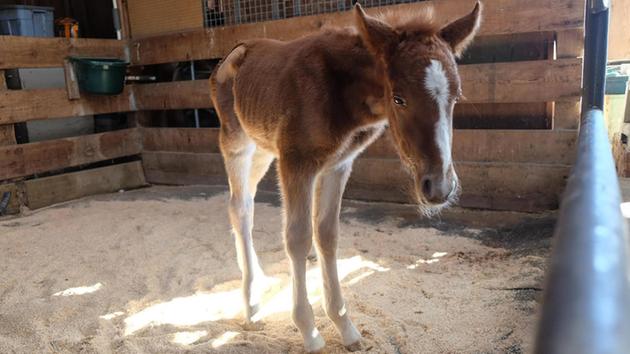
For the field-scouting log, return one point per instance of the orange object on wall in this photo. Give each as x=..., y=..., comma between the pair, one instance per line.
x=70, y=27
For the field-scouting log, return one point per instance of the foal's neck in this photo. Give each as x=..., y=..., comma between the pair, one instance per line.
x=360, y=75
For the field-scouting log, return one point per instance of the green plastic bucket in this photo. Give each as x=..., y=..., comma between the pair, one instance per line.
x=100, y=76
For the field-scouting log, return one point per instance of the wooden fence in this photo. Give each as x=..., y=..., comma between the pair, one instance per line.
x=23, y=165
x=500, y=169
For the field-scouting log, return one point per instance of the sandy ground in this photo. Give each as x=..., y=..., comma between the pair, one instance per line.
x=154, y=271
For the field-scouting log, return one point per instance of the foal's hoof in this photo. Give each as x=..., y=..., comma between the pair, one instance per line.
x=315, y=345
x=253, y=326
x=354, y=347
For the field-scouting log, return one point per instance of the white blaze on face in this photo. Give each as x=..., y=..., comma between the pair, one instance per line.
x=437, y=86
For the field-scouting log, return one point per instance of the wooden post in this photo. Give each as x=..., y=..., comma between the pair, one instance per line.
x=72, y=85
x=569, y=44
x=566, y=115
x=7, y=138
x=7, y=132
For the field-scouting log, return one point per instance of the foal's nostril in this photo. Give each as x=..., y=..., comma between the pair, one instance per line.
x=426, y=187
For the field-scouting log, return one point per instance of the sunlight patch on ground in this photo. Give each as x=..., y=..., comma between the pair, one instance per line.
x=81, y=290
x=283, y=300
x=359, y=277
x=188, y=310
x=186, y=338
x=435, y=257
x=112, y=315
x=215, y=306
x=223, y=339
x=438, y=254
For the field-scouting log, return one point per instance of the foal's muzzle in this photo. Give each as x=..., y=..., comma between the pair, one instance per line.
x=437, y=189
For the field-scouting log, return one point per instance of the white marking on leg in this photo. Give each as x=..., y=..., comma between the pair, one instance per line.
x=241, y=212
x=326, y=220
x=437, y=86
x=298, y=198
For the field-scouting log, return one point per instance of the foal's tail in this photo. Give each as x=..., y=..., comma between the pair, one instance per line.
x=226, y=70
x=221, y=87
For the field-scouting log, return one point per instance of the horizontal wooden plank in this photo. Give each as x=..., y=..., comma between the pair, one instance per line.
x=535, y=146
x=501, y=186
x=517, y=187
x=182, y=168
x=500, y=17
x=532, y=81
x=518, y=82
x=35, y=52
x=173, y=95
x=24, y=105
x=47, y=191
x=526, y=146
x=181, y=139
x=29, y=159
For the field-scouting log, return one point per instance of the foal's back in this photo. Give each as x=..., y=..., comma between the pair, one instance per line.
x=307, y=90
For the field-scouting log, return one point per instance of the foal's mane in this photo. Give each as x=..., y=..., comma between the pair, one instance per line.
x=417, y=21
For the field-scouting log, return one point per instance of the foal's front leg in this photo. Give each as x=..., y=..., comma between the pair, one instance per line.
x=329, y=190
x=297, y=189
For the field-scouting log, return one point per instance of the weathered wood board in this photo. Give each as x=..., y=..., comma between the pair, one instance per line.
x=527, y=146
x=29, y=159
x=499, y=18
x=502, y=186
x=46, y=191
x=36, y=52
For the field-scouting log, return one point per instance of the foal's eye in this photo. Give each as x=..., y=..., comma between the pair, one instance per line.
x=400, y=101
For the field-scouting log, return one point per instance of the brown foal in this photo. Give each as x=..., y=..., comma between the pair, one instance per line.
x=317, y=102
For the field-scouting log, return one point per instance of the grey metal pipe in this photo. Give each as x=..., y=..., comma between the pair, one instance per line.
x=586, y=308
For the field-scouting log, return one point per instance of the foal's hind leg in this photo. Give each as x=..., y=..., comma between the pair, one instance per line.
x=245, y=166
x=329, y=189
x=296, y=180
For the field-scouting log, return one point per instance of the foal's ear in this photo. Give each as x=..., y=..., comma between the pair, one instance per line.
x=378, y=36
x=459, y=34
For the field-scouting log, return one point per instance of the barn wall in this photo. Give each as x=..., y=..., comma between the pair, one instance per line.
x=515, y=168
x=148, y=17
x=619, y=47
x=516, y=142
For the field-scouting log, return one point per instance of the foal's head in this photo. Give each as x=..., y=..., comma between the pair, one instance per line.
x=422, y=85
